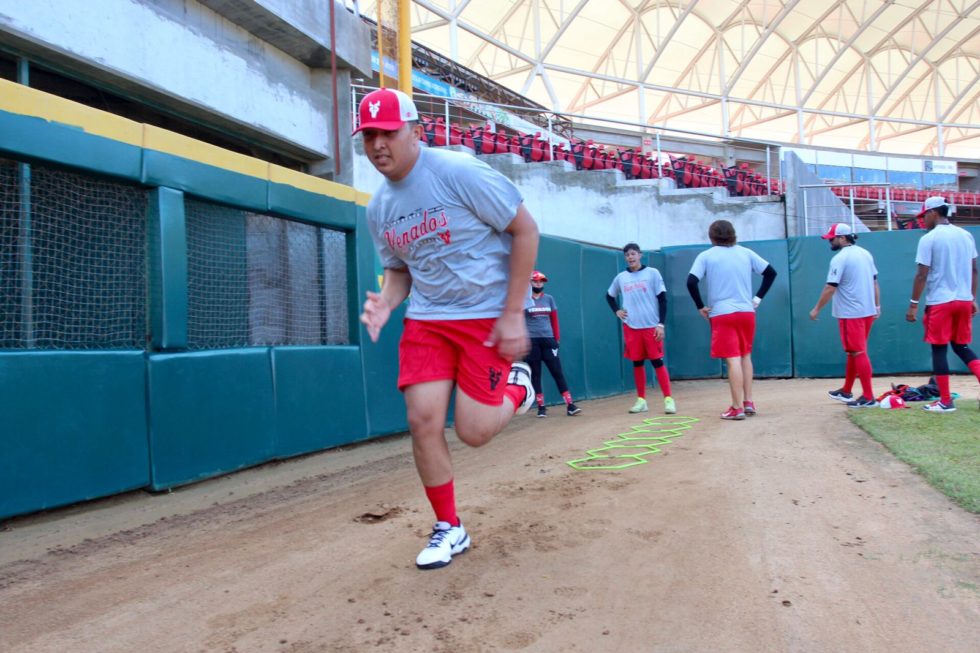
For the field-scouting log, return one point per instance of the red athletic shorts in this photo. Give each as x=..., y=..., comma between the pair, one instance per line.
x=436, y=350
x=949, y=322
x=641, y=344
x=732, y=335
x=854, y=332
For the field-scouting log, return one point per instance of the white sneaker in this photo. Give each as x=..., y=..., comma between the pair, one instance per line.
x=520, y=374
x=445, y=542
x=640, y=406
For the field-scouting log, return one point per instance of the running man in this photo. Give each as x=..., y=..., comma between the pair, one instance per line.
x=852, y=284
x=727, y=268
x=642, y=314
x=542, y=327
x=947, y=272
x=457, y=235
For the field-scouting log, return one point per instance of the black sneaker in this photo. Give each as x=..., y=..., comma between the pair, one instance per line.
x=862, y=402
x=573, y=410
x=840, y=395
x=542, y=411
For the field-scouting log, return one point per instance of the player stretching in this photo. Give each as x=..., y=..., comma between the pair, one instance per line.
x=456, y=234
x=947, y=271
x=728, y=269
x=852, y=283
x=542, y=327
x=644, y=308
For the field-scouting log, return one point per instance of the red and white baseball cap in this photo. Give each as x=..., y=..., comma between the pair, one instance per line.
x=933, y=202
x=892, y=401
x=386, y=109
x=538, y=275
x=839, y=229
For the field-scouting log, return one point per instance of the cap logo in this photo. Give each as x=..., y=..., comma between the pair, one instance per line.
x=374, y=107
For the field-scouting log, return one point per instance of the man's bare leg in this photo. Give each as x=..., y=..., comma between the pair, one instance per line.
x=735, y=380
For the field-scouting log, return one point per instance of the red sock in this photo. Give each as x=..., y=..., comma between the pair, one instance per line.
x=862, y=365
x=443, y=500
x=516, y=393
x=850, y=373
x=567, y=396
x=975, y=367
x=942, y=380
x=539, y=399
x=663, y=379
x=640, y=379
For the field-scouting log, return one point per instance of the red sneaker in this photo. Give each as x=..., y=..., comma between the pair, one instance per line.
x=749, y=407
x=733, y=413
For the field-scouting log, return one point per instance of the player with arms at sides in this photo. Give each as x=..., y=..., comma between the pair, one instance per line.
x=542, y=327
x=456, y=234
x=643, y=311
x=852, y=284
x=728, y=268
x=946, y=260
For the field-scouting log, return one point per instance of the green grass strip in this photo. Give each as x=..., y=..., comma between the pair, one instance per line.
x=631, y=448
x=943, y=448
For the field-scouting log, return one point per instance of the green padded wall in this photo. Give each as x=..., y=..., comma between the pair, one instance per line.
x=772, y=352
x=601, y=333
x=74, y=427
x=688, y=335
x=204, y=181
x=210, y=413
x=379, y=360
x=319, y=398
x=38, y=140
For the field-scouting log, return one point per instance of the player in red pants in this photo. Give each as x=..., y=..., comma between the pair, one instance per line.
x=642, y=314
x=852, y=283
x=947, y=271
x=456, y=234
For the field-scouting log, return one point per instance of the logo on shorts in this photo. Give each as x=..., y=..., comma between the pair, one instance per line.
x=494, y=375
x=554, y=352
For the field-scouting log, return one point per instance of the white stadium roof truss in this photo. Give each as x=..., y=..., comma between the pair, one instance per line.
x=900, y=76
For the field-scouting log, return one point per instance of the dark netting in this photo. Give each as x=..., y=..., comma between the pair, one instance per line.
x=255, y=279
x=72, y=264
x=11, y=289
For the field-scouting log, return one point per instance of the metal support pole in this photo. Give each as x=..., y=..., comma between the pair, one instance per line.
x=888, y=205
x=25, y=232
x=806, y=216
x=768, y=171
x=405, y=50
x=850, y=191
x=551, y=151
x=660, y=168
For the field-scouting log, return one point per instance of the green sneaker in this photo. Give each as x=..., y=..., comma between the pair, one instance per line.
x=669, y=406
x=640, y=406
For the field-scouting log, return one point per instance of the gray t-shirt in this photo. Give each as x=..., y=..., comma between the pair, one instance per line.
x=728, y=273
x=639, y=291
x=853, y=270
x=445, y=222
x=948, y=250
x=538, y=316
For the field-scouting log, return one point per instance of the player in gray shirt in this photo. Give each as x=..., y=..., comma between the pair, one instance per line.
x=852, y=283
x=456, y=234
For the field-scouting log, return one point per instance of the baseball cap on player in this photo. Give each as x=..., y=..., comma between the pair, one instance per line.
x=537, y=275
x=386, y=109
x=933, y=202
x=839, y=229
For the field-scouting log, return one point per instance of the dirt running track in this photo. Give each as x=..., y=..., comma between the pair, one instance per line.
x=792, y=531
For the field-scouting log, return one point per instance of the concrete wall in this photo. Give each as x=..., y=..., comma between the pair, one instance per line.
x=256, y=69
x=602, y=208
